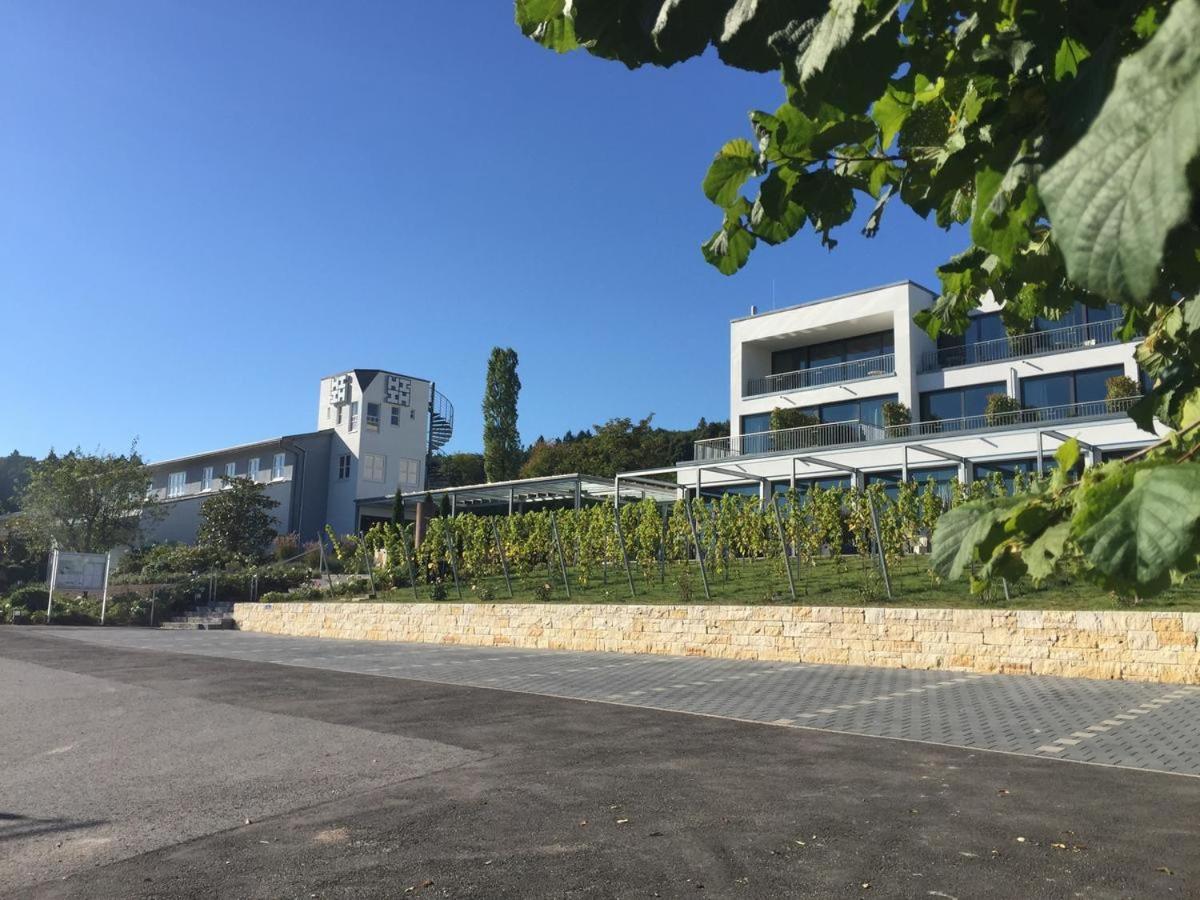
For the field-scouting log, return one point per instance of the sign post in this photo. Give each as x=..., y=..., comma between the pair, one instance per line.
x=104, y=596
x=81, y=572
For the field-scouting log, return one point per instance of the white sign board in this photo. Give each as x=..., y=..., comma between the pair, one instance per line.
x=81, y=571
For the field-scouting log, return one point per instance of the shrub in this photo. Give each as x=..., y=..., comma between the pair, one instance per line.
x=18, y=616
x=437, y=590
x=1120, y=392
x=791, y=418
x=543, y=592
x=484, y=593
x=1002, y=409
x=38, y=617
x=285, y=547
x=29, y=597
x=896, y=413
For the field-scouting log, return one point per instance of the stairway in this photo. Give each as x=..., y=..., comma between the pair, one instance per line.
x=210, y=617
x=441, y=421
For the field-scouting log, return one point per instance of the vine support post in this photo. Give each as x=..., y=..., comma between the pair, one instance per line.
x=503, y=560
x=787, y=563
x=366, y=558
x=408, y=559
x=662, y=549
x=883, y=567
x=562, y=562
x=699, y=552
x=450, y=553
x=324, y=566
x=624, y=555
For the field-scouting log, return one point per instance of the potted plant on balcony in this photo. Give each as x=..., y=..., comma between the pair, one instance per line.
x=782, y=419
x=1001, y=409
x=896, y=415
x=1121, y=391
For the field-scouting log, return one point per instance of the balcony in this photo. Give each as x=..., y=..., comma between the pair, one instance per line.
x=1019, y=346
x=823, y=376
x=841, y=434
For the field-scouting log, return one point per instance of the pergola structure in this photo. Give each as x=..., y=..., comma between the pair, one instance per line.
x=574, y=490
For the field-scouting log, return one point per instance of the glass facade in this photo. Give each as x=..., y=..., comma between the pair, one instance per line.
x=831, y=353
x=957, y=403
x=1065, y=388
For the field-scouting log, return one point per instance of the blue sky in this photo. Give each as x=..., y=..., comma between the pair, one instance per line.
x=206, y=207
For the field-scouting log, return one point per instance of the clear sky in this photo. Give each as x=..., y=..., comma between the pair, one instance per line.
x=206, y=207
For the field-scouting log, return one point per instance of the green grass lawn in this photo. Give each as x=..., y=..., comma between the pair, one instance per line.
x=831, y=582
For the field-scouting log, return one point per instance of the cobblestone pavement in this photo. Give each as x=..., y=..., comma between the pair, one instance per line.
x=1135, y=724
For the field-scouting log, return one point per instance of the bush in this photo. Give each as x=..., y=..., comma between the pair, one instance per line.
x=38, y=617
x=1120, y=392
x=17, y=616
x=791, y=418
x=896, y=413
x=1002, y=409
x=29, y=597
x=285, y=546
x=484, y=593
x=437, y=590
x=543, y=592
x=160, y=561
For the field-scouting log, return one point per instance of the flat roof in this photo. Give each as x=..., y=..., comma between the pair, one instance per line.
x=807, y=303
x=237, y=448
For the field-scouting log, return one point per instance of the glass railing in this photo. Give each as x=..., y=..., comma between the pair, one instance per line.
x=833, y=434
x=1056, y=340
x=822, y=376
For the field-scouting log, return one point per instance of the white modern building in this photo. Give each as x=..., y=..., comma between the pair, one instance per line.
x=841, y=359
x=375, y=432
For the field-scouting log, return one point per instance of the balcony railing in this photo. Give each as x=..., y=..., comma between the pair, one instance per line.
x=1017, y=346
x=820, y=376
x=833, y=434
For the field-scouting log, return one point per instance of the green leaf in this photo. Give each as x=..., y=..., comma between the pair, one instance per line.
x=729, y=248
x=546, y=22
x=1151, y=531
x=964, y=534
x=1066, y=61
x=1041, y=556
x=1004, y=209
x=831, y=33
x=1115, y=196
x=1068, y=455
x=733, y=165
x=890, y=113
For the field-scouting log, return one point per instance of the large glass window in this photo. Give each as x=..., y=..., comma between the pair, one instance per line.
x=957, y=403
x=1007, y=470
x=831, y=353
x=373, y=416
x=756, y=423
x=1066, y=388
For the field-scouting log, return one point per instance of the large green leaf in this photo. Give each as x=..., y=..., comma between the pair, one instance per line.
x=829, y=34
x=733, y=165
x=1151, y=531
x=968, y=533
x=1115, y=196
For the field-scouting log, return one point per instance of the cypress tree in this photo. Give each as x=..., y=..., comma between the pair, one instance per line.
x=501, y=440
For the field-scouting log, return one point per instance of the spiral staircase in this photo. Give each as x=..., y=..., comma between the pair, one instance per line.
x=441, y=421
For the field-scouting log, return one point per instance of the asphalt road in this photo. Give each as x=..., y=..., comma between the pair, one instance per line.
x=132, y=773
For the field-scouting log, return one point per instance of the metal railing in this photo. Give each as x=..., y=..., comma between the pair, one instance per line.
x=821, y=376
x=833, y=434
x=1043, y=415
x=1056, y=340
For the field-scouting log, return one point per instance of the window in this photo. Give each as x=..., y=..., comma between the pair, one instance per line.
x=354, y=415
x=1066, y=388
x=252, y=469
x=374, y=467
x=176, y=482
x=756, y=423
x=830, y=353
x=339, y=414
x=277, y=467
x=958, y=403
x=409, y=471
x=230, y=470
x=373, y=416
x=395, y=415
x=206, y=478
x=343, y=464
x=1007, y=470
x=866, y=409
x=889, y=480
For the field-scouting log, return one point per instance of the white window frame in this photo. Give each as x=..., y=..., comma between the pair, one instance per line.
x=396, y=416
x=343, y=470
x=374, y=467
x=176, y=484
x=372, y=421
x=206, y=478
x=253, y=468
x=353, y=415
x=278, y=465
x=408, y=471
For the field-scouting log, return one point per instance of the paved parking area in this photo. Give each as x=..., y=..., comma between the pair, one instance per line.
x=1147, y=726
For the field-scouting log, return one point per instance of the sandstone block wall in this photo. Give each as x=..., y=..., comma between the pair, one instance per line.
x=1152, y=646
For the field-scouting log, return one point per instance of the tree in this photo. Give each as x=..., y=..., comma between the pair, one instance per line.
x=501, y=440
x=87, y=503
x=1062, y=133
x=237, y=520
x=455, y=469
x=398, y=507
x=14, y=475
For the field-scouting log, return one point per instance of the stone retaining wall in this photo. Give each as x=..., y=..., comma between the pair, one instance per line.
x=1154, y=646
